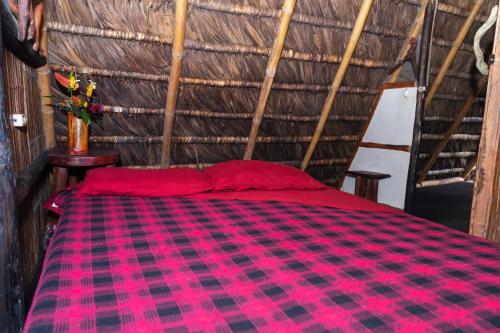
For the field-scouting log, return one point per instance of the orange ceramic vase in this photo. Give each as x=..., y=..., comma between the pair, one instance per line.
x=78, y=136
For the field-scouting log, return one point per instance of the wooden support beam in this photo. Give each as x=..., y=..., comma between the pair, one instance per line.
x=27, y=180
x=422, y=76
x=485, y=214
x=339, y=77
x=11, y=308
x=23, y=49
x=453, y=51
x=272, y=65
x=412, y=36
x=45, y=87
x=452, y=129
x=385, y=146
x=175, y=74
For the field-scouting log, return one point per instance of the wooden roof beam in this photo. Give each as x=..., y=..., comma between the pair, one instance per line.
x=174, y=79
x=272, y=65
x=453, y=52
x=452, y=129
x=339, y=77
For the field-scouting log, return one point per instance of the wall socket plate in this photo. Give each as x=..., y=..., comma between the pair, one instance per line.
x=19, y=120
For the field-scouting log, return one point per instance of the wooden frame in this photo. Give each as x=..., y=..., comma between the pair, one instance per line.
x=274, y=59
x=339, y=77
x=175, y=74
x=485, y=214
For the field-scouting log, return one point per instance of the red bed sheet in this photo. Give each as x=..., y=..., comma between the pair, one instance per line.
x=210, y=265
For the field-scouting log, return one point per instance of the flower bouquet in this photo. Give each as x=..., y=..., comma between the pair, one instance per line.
x=81, y=110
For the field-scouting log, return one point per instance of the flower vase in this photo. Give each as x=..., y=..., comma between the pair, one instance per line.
x=78, y=135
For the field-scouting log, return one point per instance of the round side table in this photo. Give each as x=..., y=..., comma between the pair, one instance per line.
x=61, y=160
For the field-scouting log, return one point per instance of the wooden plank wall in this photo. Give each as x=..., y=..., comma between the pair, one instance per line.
x=22, y=96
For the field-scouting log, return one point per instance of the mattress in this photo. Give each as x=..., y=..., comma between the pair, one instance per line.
x=199, y=264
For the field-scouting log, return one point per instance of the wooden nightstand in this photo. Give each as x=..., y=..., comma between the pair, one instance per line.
x=367, y=183
x=62, y=161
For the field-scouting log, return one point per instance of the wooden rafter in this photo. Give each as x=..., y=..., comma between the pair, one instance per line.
x=452, y=129
x=412, y=36
x=339, y=77
x=174, y=79
x=485, y=213
x=272, y=65
x=453, y=51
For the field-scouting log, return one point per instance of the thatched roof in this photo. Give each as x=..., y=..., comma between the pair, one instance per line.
x=125, y=46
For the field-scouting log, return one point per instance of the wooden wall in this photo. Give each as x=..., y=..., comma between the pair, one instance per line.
x=22, y=96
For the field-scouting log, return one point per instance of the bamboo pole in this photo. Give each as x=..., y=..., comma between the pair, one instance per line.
x=227, y=115
x=452, y=129
x=213, y=139
x=272, y=65
x=288, y=54
x=207, y=82
x=351, y=46
x=445, y=171
x=45, y=88
x=453, y=52
x=323, y=162
x=469, y=137
x=414, y=32
x=175, y=74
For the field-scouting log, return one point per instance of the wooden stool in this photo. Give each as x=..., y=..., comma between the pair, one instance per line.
x=367, y=183
x=62, y=161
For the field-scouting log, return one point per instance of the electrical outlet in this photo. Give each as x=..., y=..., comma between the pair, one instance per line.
x=19, y=120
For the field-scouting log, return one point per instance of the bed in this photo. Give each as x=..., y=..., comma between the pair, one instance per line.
x=267, y=261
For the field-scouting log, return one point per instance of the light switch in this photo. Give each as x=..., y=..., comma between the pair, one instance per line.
x=19, y=120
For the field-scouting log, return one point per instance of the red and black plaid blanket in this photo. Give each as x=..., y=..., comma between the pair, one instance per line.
x=191, y=265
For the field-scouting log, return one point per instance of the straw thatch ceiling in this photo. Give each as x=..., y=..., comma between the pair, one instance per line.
x=125, y=46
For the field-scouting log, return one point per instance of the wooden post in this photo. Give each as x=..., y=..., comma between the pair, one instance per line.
x=453, y=128
x=339, y=77
x=415, y=30
x=45, y=87
x=453, y=51
x=11, y=310
x=423, y=62
x=274, y=59
x=485, y=214
x=175, y=73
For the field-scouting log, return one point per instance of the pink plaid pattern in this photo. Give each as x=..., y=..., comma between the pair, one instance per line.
x=194, y=265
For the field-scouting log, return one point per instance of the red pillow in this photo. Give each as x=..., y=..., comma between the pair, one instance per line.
x=144, y=183
x=258, y=175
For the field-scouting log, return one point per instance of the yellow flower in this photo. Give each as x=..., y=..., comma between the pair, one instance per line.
x=90, y=88
x=72, y=81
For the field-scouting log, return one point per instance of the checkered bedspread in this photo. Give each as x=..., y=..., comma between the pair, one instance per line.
x=191, y=265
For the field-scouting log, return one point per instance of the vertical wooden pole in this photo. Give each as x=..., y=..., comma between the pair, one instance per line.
x=45, y=87
x=274, y=59
x=453, y=128
x=339, y=77
x=485, y=214
x=11, y=313
x=415, y=30
x=453, y=51
x=423, y=62
x=175, y=73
